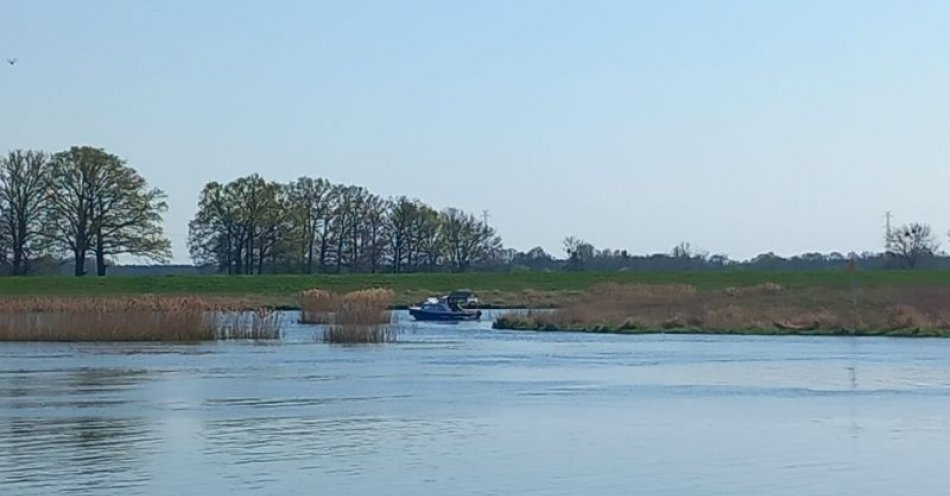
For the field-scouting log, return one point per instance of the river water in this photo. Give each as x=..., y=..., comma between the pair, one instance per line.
x=465, y=410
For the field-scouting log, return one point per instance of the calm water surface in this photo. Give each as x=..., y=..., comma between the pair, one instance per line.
x=462, y=409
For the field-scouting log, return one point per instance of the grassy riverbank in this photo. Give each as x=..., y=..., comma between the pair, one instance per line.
x=531, y=289
x=902, y=303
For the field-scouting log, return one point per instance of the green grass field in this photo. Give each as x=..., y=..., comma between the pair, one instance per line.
x=496, y=289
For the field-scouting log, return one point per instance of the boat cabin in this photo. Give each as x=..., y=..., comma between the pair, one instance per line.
x=461, y=299
x=457, y=305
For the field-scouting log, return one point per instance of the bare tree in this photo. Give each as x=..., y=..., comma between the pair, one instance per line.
x=911, y=243
x=579, y=252
x=24, y=180
x=571, y=244
x=686, y=256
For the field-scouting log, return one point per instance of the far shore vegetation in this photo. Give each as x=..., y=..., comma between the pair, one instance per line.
x=176, y=308
x=766, y=308
x=515, y=290
x=85, y=207
x=257, y=244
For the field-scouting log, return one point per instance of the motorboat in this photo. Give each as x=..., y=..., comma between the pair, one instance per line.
x=455, y=306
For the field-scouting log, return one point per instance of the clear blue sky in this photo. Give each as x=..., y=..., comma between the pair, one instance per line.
x=741, y=127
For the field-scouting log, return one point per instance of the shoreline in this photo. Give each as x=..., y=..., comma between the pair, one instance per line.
x=890, y=304
x=839, y=333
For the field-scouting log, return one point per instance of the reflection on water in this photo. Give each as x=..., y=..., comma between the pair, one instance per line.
x=463, y=409
x=80, y=454
x=69, y=388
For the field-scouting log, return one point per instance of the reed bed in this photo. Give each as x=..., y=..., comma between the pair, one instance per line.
x=765, y=308
x=144, y=318
x=362, y=317
x=317, y=306
x=260, y=324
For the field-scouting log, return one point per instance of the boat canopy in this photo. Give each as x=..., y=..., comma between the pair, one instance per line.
x=463, y=294
x=461, y=298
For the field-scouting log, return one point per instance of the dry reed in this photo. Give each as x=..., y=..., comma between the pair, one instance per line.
x=764, y=308
x=260, y=324
x=145, y=318
x=362, y=317
x=317, y=306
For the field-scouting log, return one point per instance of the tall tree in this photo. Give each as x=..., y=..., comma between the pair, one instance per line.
x=250, y=225
x=346, y=223
x=374, y=233
x=239, y=226
x=309, y=207
x=24, y=181
x=428, y=241
x=213, y=234
x=270, y=224
x=99, y=204
x=466, y=239
x=399, y=220
x=911, y=243
x=128, y=218
x=72, y=200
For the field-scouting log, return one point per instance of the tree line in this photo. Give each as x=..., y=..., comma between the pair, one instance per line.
x=76, y=203
x=909, y=246
x=87, y=206
x=254, y=226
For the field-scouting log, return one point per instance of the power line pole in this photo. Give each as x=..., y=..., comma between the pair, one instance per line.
x=485, y=216
x=887, y=230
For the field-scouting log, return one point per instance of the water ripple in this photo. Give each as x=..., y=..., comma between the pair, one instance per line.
x=467, y=410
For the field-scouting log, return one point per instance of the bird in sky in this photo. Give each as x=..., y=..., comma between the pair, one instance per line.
x=11, y=61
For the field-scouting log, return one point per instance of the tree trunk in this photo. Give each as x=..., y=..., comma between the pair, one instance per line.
x=100, y=263
x=230, y=250
x=339, y=255
x=309, y=268
x=238, y=252
x=323, y=253
x=397, y=255
x=18, y=268
x=18, y=242
x=80, y=261
x=100, y=256
x=261, y=255
x=249, y=261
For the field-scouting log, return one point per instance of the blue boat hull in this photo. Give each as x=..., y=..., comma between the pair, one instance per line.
x=428, y=315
